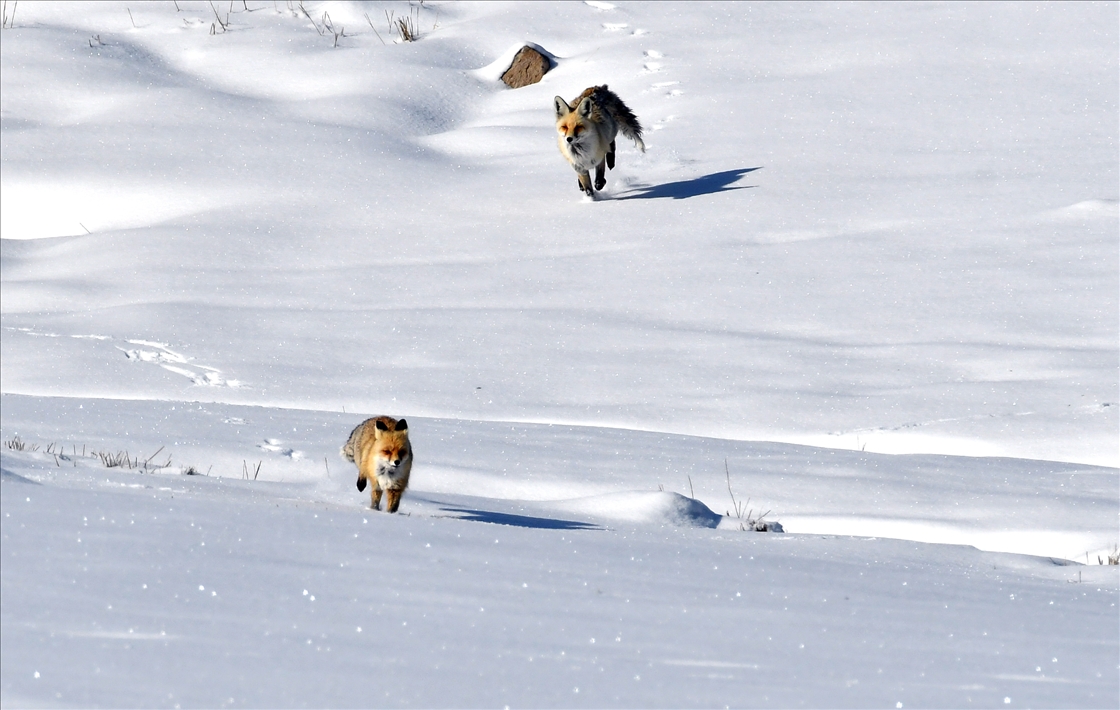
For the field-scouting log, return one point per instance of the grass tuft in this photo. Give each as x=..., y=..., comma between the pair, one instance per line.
x=18, y=444
x=407, y=27
x=745, y=514
x=9, y=21
x=121, y=459
x=245, y=470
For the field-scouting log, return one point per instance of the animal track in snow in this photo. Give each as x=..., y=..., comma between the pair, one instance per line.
x=174, y=362
x=275, y=446
x=161, y=355
x=33, y=332
x=614, y=26
x=652, y=65
x=665, y=84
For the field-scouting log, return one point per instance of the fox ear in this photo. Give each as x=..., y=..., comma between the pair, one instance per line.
x=361, y=483
x=402, y=425
x=584, y=108
x=381, y=426
x=561, y=106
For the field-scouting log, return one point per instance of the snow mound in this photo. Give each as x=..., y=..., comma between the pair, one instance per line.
x=645, y=507
x=1088, y=208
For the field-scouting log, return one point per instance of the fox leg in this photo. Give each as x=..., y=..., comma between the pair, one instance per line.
x=367, y=473
x=585, y=183
x=601, y=175
x=393, y=499
x=610, y=157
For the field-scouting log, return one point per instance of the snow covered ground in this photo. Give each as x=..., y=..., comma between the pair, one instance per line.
x=866, y=274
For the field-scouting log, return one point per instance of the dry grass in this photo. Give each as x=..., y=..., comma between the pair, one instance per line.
x=407, y=27
x=745, y=515
x=1112, y=558
x=9, y=20
x=18, y=444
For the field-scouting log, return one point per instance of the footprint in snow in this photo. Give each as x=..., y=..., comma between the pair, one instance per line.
x=154, y=353
x=159, y=354
x=652, y=65
x=661, y=85
x=275, y=446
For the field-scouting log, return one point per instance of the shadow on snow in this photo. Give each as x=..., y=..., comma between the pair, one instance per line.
x=521, y=521
x=704, y=185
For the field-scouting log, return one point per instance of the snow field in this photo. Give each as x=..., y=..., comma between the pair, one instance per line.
x=153, y=582
x=868, y=264
x=890, y=232
x=1005, y=505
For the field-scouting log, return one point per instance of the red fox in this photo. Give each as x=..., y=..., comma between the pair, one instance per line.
x=587, y=128
x=381, y=450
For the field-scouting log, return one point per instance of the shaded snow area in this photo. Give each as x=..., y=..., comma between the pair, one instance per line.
x=814, y=405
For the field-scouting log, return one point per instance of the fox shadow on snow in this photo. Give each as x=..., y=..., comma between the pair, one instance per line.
x=521, y=521
x=704, y=185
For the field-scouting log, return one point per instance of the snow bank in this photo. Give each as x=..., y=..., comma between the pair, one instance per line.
x=656, y=507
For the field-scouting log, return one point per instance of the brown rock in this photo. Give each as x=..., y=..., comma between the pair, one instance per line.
x=528, y=67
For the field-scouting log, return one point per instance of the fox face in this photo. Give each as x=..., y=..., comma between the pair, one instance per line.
x=391, y=454
x=583, y=140
x=573, y=132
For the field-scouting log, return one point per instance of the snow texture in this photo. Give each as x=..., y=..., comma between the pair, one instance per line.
x=861, y=291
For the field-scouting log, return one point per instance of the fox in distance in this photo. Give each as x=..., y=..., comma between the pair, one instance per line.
x=380, y=448
x=586, y=131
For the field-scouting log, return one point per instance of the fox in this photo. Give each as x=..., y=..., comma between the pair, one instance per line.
x=586, y=131
x=379, y=447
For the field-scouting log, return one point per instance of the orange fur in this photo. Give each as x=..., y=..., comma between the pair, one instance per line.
x=383, y=454
x=586, y=130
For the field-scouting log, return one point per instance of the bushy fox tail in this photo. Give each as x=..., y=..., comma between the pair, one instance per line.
x=628, y=124
x=347, y=450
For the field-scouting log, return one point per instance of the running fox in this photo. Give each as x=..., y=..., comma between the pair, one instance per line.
x=587, y=128
x=380, y=448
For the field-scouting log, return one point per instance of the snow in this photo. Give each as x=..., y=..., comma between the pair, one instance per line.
x=864, y=283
